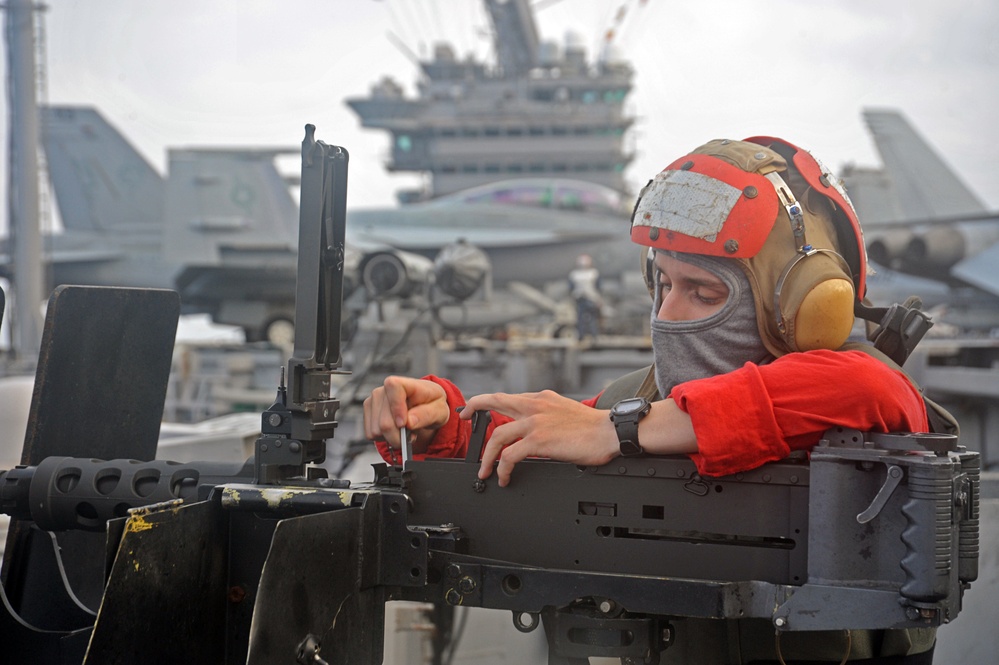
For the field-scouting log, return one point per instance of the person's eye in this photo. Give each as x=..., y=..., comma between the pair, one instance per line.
x=708, y=299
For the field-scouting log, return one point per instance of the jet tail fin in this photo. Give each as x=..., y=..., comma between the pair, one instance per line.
x=229, y=203
x=924, y=186
x=101, y=183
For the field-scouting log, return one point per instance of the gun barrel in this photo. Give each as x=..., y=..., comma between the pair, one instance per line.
x=64, y=493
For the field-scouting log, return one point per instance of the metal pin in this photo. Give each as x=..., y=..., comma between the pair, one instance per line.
x=407, y=453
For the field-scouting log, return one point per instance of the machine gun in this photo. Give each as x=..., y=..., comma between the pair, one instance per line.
x=127, y=561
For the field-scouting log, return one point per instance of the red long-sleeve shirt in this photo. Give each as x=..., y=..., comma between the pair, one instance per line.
x=759, y=413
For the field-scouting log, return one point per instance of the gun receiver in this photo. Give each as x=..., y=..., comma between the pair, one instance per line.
x=272, y=562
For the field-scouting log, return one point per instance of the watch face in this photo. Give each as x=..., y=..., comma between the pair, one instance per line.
x=628, y=406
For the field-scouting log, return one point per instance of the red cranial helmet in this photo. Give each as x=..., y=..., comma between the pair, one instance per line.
x=779, y=213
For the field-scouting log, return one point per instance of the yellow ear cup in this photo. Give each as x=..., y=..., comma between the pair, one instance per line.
x=825, y=316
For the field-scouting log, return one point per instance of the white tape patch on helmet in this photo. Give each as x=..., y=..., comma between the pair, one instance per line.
x=690, y=203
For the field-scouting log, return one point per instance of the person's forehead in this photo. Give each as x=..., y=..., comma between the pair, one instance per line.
x=674, y=266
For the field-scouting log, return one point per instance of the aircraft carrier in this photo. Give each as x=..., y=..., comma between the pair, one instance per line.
x=541, y=110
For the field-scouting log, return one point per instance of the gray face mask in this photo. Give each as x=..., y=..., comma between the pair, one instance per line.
x=720, y=343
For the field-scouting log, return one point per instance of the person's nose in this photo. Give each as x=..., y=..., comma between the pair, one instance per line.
x=672, y=308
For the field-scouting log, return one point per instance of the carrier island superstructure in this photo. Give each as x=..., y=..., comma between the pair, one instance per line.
x=540, y=110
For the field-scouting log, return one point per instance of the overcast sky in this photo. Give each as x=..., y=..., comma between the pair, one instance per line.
x=173, y=73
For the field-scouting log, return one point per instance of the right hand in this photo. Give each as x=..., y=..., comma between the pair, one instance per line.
x=416, y=404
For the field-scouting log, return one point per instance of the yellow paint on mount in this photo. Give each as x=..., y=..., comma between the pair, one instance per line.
x=137, y=523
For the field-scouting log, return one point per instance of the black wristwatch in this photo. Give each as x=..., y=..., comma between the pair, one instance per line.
x=625, y=416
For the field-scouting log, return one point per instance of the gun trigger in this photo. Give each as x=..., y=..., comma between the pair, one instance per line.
x=891, y=482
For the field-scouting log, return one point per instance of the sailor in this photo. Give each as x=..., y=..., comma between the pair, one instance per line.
x=584, y=286
x=756, y=265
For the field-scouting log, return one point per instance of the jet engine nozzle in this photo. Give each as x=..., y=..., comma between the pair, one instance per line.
x=460, y=269
x=394, y=273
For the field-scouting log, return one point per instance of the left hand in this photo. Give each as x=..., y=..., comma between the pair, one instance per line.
x=548, y=425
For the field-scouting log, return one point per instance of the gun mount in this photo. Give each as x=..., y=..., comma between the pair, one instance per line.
x=272, y=562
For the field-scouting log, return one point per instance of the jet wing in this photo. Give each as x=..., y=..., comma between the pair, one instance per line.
x=425, y=238
x=981, y=270
x=424, y=227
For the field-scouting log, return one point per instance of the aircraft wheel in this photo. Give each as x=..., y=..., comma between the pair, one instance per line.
x=279, y=331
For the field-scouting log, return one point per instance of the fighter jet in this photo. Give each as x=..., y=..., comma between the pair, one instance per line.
x=220, y=228
x=532, y=229
x=921, y=220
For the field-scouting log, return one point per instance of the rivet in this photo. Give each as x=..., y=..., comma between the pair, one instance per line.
x=760, y=155
x=679, y=473
x=824, y=179
x=653, y=234
x=766, y=477
x=750, y=192
x=650, y=472
x=794, y=479
x=731, y=246
x=622, y=469
x=687, y=166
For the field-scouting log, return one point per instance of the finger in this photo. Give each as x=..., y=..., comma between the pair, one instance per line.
x=368, y=429
x=387, y=429
x=396, y=397
x=502, y=436
x=427, y=415
x=512, y=405
x=373, y=415
x=512, y=454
